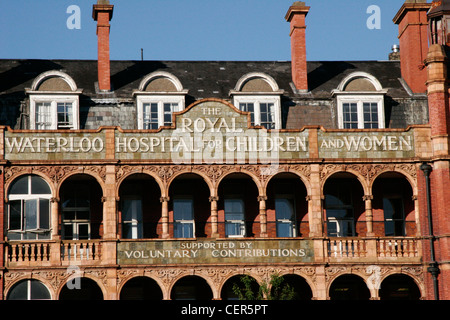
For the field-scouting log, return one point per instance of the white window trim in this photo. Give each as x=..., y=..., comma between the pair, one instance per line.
x=54, y=99
x=27, y=197
x=160, y=100
x=293, y=222
x=359, y=100
x=257, y=100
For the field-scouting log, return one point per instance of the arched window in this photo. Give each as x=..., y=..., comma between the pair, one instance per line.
x=29, y=290
x=360, y=102
x=29, y=209
x=160, y=94
x=259, y=94
x=54, y=102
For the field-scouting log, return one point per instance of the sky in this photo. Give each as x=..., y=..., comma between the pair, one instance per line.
x=225, y=30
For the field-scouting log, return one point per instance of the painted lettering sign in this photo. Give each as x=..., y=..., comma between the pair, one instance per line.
x=210, y=132
x=213, y=133
x=215, y=251
x=366, y=144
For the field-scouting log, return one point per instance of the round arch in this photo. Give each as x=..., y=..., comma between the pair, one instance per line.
x=53, y=74
x=400, y=286
x=161, y=74
x=248, y=173
x=192, y=172
x=93, y=175
x=295, y=173
x=42, y=281
x=226, y=289
x=140, y=288
x=150, y=174
x=400, y=173
x=348, y=287
x=349, y=173
x=257, y=75
x=359, y=74
x=191, y=287
x=305, y=277
x=82, y=288
x=41, y=175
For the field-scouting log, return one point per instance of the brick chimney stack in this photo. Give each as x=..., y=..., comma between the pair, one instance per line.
x=296, y=15
x=413, y=36
x=102, y=12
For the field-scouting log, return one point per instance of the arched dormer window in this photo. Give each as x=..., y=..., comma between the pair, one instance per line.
x=360, y=102
x=160, y=94
x=260, y=95
x=54, y=102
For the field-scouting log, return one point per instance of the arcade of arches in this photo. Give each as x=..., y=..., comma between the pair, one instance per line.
x=87, y=211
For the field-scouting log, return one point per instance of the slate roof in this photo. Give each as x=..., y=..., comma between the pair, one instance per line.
x=203, y=79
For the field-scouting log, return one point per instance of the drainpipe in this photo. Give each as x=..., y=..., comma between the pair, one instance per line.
x=433, y=269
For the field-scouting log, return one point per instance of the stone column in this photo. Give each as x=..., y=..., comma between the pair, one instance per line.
x=263, y=216
x=109, y=217
x=369, y=215
x=315, y=211
x=165, y=216
x=214, y=217
x=54, y=214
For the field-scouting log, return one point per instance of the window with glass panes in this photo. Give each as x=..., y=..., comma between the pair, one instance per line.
x=370, y=110
x=132, y=227
x=248, y=107
x=29, y=209
x=168, y=110
x=285, y=216
x=65, y=115
x=267, y=115
x=350, y=115
x=234, y=218
x=361, y=112
x=183, y=218
x=30, y=289
x=76, y=209
x=394, y=217
x=43, y=116
x=150, y=116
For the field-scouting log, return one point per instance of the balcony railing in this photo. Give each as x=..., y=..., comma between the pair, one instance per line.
x=370, y=249
x=91, y=252
x=53, y=253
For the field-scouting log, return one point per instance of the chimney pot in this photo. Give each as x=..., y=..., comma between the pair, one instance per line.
x=296, y=16
x=102, y=12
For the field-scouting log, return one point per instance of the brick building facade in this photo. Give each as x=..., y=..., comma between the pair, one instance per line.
x=171, y=179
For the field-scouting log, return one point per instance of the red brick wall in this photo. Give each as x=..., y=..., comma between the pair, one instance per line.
x=104, y=72
x=439, y=113
x=413, y=38
x=298, y=51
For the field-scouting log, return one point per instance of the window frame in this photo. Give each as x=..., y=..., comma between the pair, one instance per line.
x=184, y=221
x=360, y=100
x=54, y=100
x=23, y=199
x=76, y=221
x=293, y=221
x=160, y=100
x=241, y=222
x=257, y=100
x=136, y=222
x=394, y=221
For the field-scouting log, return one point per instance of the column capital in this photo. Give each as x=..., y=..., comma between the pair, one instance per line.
x=164, y=199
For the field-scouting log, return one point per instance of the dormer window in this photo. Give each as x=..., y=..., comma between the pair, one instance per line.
x=54, y=102
x=360, y=102
x=259, y=94
x=160, y=94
